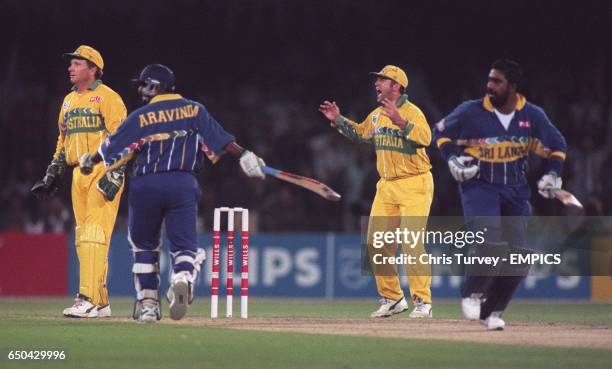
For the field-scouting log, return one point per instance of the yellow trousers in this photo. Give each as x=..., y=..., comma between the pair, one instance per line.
x=404, y=204
x=95, y=219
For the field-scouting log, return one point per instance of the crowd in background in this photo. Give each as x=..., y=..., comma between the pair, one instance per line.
x=269, y=101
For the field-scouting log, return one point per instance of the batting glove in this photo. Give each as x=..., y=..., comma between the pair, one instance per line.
x=251, y=165
x=460, y=169
x=86, y=164
x=111, y=182
x=548, y=183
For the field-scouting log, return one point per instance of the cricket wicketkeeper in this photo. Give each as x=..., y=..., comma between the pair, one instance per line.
x=89, y=113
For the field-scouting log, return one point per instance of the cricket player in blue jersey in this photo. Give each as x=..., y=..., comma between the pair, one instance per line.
x=487, y=143
x=167, y=141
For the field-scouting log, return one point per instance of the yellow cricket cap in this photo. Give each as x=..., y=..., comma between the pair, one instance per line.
x=393, y=73
x=87, y=53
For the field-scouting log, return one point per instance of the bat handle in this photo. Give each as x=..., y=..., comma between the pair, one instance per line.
x=270, y=171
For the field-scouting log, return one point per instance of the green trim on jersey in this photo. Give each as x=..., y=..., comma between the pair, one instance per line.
x=349, y=132
x=83, y=120
x=92, y=86
x=391, y=139
x=401, y=100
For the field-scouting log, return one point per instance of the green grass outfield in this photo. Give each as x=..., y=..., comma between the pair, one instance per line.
x=36, y=324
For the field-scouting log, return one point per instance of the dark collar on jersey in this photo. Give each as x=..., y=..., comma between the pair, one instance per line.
x=520, y=103
x=93, y=85
x=165, y=97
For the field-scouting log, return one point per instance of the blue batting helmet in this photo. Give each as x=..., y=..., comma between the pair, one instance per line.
x=158, y=74
x=153, y=80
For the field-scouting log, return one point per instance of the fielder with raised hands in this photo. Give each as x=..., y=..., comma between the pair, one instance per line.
x=168, y=140
x=487, y=143
x=398, y=131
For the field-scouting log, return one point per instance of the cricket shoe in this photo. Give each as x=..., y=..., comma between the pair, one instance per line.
x=470, y=306
x=494, y=322
x=82, y=308
x=179, y=295
x=147, y=311
x=390, y=307
x=421, y=309
x=104, y=311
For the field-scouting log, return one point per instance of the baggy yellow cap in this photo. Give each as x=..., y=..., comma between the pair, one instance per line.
x=393, y=73
x=87, y=53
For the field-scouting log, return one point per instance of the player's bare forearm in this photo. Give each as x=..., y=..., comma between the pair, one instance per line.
x=250, y=163
x=234, y=149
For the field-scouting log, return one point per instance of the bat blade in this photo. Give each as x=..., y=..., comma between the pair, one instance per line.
x=310, y=184
x=567, y=198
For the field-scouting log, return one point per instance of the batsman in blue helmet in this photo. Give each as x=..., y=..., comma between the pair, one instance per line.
x=167, y=141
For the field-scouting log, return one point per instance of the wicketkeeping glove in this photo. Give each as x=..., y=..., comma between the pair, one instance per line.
x=111, y=183
x=251, y=165
x=48, y=186
x=548, y=183
x=460, y=169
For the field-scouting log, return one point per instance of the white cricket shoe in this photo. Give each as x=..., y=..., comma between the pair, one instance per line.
x=470, y=306
x=494, y=322
x=179, y=295
x=104, y=311
x=421, y=309
x=147, y=311
x=390, y=307
x=82, y=308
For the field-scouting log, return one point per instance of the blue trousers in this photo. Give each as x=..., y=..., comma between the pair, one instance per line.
x=501, y=209
x=170, y=198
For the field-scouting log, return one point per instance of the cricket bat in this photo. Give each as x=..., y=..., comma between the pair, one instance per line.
x=567, y=198
x=310, y=184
